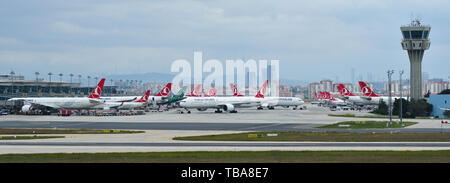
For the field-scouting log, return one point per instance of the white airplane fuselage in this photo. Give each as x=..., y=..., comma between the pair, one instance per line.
x=281, y=101
x=363, y=100
x=128, y=98
x=120, y=105
x=62, y=102
x=219, y=102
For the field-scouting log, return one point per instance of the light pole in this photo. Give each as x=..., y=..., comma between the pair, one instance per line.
x=37, y=74
x=50, y=80
x=71, y=75
x=401, y=99
x=37, y=80
x=60, y=82
x=112, y=84
x=89, y=78
x=12, y=82
x=390, y=72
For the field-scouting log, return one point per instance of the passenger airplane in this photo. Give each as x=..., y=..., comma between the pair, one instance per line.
x=332, y=100
x=142, y=102
x=271, y=102
x=357, y=100
x=368, y=94
x=64, y=102
x=228, y=104
x=162, y=95
x=175, y=98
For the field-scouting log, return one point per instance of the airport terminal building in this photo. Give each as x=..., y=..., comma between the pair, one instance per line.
x=16, y=86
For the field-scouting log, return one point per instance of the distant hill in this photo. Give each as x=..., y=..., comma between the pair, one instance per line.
x=146, y=77
x=164, y=78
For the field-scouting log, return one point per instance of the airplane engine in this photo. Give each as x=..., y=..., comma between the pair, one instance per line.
x=202, y=109
x=228, y=107
x=26, y=108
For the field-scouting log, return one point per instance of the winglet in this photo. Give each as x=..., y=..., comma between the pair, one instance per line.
x=262, y=91
x=98, y=89
x=166, y=90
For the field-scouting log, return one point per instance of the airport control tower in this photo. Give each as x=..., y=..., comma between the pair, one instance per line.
x=415, y=41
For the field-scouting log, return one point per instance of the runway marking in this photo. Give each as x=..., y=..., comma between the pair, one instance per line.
x=405, y=145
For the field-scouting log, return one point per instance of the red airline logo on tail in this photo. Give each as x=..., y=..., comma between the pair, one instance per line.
x=211, y=93
x=262, y=91
x=98, y=90
x=343, y=90
x=144, y=98
x=196, y=91
x=235, y=90
x=366, y=90
x=166, y=90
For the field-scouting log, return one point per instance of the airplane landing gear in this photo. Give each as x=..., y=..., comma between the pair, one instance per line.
x=218, y=111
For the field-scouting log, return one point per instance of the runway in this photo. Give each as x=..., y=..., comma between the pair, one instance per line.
x=206, y=126
x=235, y=144
x=161, y=128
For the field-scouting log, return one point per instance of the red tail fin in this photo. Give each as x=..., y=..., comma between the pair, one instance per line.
x=321, y=95
x=144, y=98
x=196, y=91
x=329, y=95
x=367, y=91
x=211, y=93
x=262, y=91
x=166, y=90
x=235, y=91
x=343, y=90
x=98, y=90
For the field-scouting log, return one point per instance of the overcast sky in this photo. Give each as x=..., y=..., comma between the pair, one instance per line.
x=313, y=40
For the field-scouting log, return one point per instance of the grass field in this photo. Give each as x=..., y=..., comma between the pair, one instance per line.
x=348, y=115
x=366, y=124
x=324, y=137
x=238, y=157
x=6, y=131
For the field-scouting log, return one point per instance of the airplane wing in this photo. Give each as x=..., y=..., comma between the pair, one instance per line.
x=96, y=101
x=129, y=100
x=38, y=105
x=171, y=101
x=445, y=109
x=238, y=103
x=366, y=98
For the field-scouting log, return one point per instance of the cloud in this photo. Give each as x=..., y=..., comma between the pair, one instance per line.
x=332, y=35
x=6, y=41
x=70, y=28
